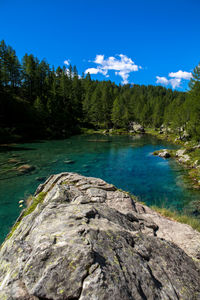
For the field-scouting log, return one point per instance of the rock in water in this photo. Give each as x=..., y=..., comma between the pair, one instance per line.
x=164, y=153
x=25, y=169
x=86, y=240
x=69, y=162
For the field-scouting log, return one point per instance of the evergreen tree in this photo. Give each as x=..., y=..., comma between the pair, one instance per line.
x=193, y=104
x=119, y=113
x=35, y=97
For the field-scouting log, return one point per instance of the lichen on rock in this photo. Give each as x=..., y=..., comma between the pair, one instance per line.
x=88, y=240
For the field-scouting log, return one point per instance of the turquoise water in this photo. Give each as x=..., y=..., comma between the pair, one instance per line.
x=125, y=161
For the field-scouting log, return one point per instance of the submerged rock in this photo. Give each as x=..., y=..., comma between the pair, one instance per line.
x=13, y=160
x=88, y=240
x=26, y=169
x=69, y=162
x=40, y=178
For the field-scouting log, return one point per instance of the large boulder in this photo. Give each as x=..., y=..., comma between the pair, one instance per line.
x=164, y=129
x=180, y=152
x=184, y=159
x=136, y=127
x=185, y=136
x=182, y=156
x=164, y=153
x=87, y=240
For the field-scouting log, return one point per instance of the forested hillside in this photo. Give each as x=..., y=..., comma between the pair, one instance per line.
x=37, y=101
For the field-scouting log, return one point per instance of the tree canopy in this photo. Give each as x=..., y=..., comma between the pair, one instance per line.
x=37, y=101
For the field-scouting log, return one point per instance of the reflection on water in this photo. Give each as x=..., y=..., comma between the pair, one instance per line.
x=125, y=161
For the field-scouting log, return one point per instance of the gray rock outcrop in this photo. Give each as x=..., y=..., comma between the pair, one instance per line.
x=87, y=240
x=180, y=152
x=164, y=153
x=136, y=127
x=182, y=156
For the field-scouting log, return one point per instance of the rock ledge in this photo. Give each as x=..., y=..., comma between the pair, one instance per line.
x=89, y=241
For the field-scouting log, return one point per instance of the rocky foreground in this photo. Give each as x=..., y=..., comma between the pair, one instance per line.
x=87, y=240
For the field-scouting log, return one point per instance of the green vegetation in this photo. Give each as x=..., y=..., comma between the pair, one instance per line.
x=34, y=202
x=170, y=136
x=91, y=131
x=171, y=152
x=37, y=101
x=193, y=222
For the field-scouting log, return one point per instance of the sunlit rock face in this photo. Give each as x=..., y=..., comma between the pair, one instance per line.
x=87, y=240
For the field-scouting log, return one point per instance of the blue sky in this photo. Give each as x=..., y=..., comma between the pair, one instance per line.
x=141, y=42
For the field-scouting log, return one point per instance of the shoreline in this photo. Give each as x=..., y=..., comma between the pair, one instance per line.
x=188, y=156
x=191, y=178
x=191, y=164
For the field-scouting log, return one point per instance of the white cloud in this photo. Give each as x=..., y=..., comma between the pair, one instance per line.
x=176, y=82
x=99, y=59
x=176, y=78
x=162, y=80
x=122, y=65
x=67, y=62
x=124, y=76
x=96, y=71
x=181, y=74
x=92, y=71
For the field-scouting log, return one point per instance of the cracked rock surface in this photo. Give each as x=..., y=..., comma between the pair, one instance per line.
x=90, y=241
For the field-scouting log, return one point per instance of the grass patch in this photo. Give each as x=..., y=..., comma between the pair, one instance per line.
x=171, y=152
x=91, y=131
x=194, y=154
x=169, y=136
x=102, y=131
x=34, y=202
x=120, y=131
x=185, y=219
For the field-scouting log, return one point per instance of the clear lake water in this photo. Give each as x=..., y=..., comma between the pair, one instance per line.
x=125, y=161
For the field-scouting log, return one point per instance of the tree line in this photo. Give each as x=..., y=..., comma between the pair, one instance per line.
x=39, y=101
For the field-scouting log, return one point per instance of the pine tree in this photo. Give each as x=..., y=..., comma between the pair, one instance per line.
x=118, y=113
x=193, y=104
